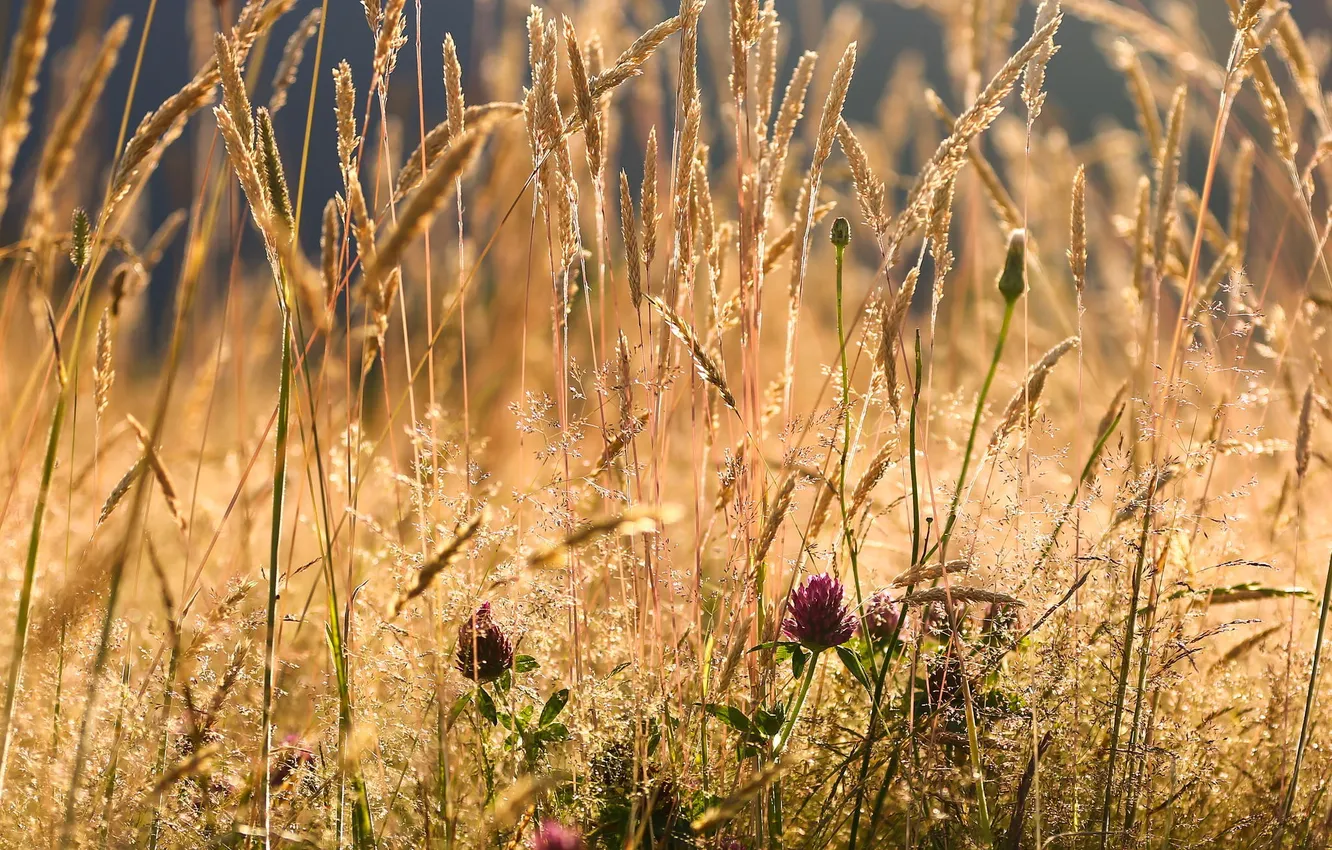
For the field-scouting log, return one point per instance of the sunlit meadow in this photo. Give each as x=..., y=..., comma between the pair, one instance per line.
x=717, y=431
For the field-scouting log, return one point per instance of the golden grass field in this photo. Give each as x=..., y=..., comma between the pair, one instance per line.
x=654, y=453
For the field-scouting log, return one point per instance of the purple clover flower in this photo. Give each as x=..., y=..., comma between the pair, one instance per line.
x=882, y=616
x=484, y=651
x=553, y=835
x=817, y=615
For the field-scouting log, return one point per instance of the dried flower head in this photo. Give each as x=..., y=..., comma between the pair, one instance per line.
x=817, y=615
x=883, y=616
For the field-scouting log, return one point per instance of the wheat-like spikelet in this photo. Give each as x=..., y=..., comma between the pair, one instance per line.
x=781, y=504
x=788, y=116
x=930, y=572
x=330, y=246
x=1304, y=434
x=894, y=318
x=884, y=459
x=690, y=11
x=1142, y=245
x=1151, y=36
x=292, y=54
x=437, y=141
x=420, y=210
x=1241, y=183
x=648, y=199
x=275, y=180
x=707, y=367
x=442, y=560
x=455, y=106
x=951, y=153
x=629, y=232
x=1294, y=50
x=1033, y=78
x=1274, y=108
x=19, y=84
x=778, y=247
x=1140, y=91
x=344, y=104
x=235, y=97
x=391, y=36
x=1024, y=401
x=1002, y=202
x=1167, y=174
x=104, y=373
x=118, y=492
x=70, y=124
x=584, y=101
x=869, y=188
x=160, y=473
x=629, y=64
x=765, y=83
x=1077, y=228
x=960, y=593
x=247, y=170
x=633, y=521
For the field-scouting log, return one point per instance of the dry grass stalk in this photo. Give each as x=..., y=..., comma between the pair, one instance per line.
x=455, y=106
x=633, y=521
x=629, y=232
x=778, y=247
x=1167, y=174
x=788, y=116
x=648, y=196
x=884, y=459
x=894, y=319
x=1000, y=199
x=119, y=491
x=629, y=64
x=1023, y=403
x=1033, y=78
x=1140, y=90
x=781, y=505
x=869, y=188
x=1142, y=245
x=437, y=141
x=392, y=35
x=160, y=473
x=1274, y=108
x=583, y=99
x=104, y=373
x=330, y=245
x=1304, y=435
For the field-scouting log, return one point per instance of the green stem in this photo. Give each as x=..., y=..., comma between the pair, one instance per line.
x=1308, y=706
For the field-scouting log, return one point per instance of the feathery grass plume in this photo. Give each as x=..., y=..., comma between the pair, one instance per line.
x=884, y=459
x=1033, y=77
x=160, y=473
x=104, y=373
x=929, y=572
x=585, y=103
x=775, y=514
x=420, y=210
x=788, y=116
x=235, y=97
x=629, y=232
x=632, y=521
x=344, y=105
x=1167, y=174
x=391, y=36
x=894, y=319
x=648, y=199
x=455, y=106
x=1140, y=91
x=70, y=124
x=951, y=153
x=1077, y=241
x=960, y=593
x=19, y=84
x=1023, y=403
x=330, y=245
x=437, y=141
x=629, y=64
x=80, y=237
x=292, y=55
x=869, y=188
x=707, y=367
x=442, y=560
x=1304, y=434
x=1142, y=245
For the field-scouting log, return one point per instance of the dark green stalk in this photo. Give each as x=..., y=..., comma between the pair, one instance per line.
x=1012, y=283
x=1308, y=706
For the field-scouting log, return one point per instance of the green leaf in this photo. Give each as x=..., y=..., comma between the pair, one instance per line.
x=770, y=722
x=524, y=716
x=486, y=706
x=553, y=707
x=853, y=666
x=555, y=732
x=504, y=682
x=799, y=657
x=618, y=669
x=461, y=703
x=525, y=664
x=731, y=716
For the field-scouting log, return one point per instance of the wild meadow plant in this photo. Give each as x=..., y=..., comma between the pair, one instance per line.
x=665, y=450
